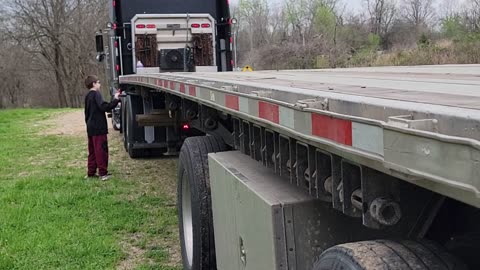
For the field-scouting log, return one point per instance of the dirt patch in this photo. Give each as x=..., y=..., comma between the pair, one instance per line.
x=68, y=124
x=134, y=254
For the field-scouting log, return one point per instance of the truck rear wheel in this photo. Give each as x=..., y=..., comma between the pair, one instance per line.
x=124, y=122
x=388, y=255
x=129, y=136
x=194, y=202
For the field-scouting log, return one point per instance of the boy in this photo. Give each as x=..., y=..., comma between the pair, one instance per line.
x=97, y=128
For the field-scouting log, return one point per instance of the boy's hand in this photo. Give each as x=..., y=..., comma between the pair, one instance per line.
x=117, y=95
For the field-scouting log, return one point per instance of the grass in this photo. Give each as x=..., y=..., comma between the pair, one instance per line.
x=52, y=218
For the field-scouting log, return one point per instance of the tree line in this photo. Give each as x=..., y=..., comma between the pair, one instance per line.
x=47, y=47
x=299, y=34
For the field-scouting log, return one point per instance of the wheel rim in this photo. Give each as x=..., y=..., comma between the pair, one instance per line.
x=187, y=219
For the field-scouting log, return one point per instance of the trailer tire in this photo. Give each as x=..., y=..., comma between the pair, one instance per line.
x=388, y=255
x=194, y=202
x=130, y=128
x=124, y=122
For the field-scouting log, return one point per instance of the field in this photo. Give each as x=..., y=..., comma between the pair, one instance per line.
x=53, y=218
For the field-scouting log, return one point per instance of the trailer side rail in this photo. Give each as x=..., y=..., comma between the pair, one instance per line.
x=402, y=147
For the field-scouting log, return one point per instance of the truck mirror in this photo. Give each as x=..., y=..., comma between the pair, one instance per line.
x=99, y=42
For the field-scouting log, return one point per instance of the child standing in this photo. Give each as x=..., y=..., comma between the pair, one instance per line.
x=97, y=128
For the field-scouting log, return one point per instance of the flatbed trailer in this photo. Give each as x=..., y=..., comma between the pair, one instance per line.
x=394, y=149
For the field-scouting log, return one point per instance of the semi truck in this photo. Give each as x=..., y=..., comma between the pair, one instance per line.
x=362, y=168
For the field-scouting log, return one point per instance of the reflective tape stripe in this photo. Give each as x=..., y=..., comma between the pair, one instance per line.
x=327, y=127
x=182, y=88
x=287, y=117
x=192, y=90
x=368, y=138
x=243, y=105
x=232, y=102
x=269, y=111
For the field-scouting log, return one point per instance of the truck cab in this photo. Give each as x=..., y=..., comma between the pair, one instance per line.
x=164, y=36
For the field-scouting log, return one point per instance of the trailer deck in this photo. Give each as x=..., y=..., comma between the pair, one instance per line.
x=420, y=124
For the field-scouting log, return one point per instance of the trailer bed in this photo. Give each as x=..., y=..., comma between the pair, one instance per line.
x=420, y=124
x=455, y=86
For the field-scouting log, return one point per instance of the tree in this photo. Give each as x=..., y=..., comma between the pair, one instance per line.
x=419, y=13
x=253, y=16
x=382, y=15
x=472, y=15
x=59, y=34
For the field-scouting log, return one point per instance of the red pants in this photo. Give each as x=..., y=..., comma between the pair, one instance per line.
x=97, y=155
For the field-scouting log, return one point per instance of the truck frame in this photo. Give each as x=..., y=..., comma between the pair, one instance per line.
x=336, y=163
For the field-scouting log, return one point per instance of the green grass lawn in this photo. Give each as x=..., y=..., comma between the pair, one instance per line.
x=52, y=218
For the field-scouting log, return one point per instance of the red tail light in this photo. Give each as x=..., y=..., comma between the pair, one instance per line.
x=117, y=67
x=115, y=26
x=140, y=26
x=195, y=25
x=205, y=25
x=185, y=127
x=151, y=26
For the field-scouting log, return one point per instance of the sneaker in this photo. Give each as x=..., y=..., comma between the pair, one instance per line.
x=105, y=177
x=91, y=176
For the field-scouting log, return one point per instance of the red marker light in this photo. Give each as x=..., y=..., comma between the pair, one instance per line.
x=195, y=25
x=186, y=127
x=151, y=26
x=140, y=26
x=205, y=25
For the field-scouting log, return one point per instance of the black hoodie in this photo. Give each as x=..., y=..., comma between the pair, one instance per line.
x=95, y=109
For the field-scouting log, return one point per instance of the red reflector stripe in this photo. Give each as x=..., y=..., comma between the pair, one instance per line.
x=337, y=130
x=165, y=83
x=172, y=85
x=269, y=112
x=232, y=102
x=192, y=90
x=182, y=88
